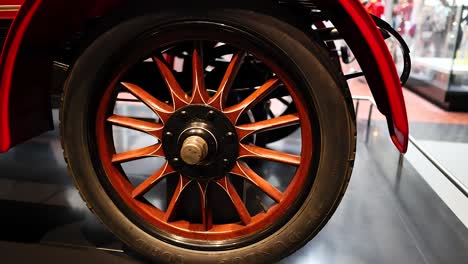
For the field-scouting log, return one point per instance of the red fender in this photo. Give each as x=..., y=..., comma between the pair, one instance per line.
x=7, y=60
x=33, y=29
x=360, y=32
x=349, y=16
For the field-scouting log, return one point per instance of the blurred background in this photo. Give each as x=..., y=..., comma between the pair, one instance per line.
x=437, y=33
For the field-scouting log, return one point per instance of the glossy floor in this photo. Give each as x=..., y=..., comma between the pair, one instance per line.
x=388, y=215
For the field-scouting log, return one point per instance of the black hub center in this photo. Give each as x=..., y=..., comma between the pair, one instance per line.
x=200, y=142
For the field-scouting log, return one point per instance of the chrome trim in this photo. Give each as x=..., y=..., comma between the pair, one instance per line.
x=9, y=8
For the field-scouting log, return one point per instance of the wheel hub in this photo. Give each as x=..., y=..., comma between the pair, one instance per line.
x=200, y=142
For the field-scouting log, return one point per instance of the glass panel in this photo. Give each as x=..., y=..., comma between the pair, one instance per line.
x=460, y=68
x=430, y=29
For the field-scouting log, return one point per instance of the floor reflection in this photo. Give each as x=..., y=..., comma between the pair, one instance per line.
x=384, y=218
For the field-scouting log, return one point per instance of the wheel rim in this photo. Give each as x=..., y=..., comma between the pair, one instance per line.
x=198, y=96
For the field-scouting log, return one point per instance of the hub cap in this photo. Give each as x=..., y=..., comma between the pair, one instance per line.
x=200, y=142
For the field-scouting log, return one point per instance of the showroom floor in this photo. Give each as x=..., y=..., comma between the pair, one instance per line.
x=390, y=213
x=443, y=135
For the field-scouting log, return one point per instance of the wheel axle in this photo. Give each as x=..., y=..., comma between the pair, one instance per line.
x=194, y=150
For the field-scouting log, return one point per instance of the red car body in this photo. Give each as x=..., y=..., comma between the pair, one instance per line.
x=26, y=60
x=9, y=8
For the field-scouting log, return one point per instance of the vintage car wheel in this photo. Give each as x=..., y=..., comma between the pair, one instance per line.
x=202, y=145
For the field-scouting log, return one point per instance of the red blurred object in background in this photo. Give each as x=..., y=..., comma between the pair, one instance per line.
x=376, y=7
x=404, y=10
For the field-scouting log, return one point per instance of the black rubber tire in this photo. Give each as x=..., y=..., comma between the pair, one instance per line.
x=324, y=87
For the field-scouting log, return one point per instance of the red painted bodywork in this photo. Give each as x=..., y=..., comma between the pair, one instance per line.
x=11, y=8
x=8, y=14
x=7, y=65
x=39, y=22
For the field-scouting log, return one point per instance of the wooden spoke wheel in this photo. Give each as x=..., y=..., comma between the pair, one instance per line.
x=202, y=142
x=187, y=176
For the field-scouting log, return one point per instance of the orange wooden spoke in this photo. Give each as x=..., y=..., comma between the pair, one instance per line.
x=251, y=151
x=153, y=129
x=246, y=172
x=235, y=111
x=219, y=99
x=171, y=209
x=236, y=200
x=146, y=152
x=284, y=121
x=179, y=97
x=149, y=183
x=162, y=109
x=207, y=215
x=199, y=92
